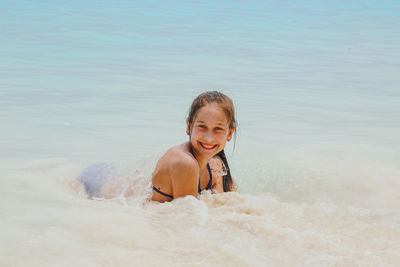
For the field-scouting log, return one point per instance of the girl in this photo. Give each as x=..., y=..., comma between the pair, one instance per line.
x=199, y=164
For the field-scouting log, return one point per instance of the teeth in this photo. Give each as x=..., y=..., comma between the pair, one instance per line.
x=207, y=146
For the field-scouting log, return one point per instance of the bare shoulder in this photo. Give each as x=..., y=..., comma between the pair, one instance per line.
x=184, y=172
x=180, y=161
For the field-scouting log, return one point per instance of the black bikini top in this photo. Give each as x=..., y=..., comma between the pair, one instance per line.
x=199, y=188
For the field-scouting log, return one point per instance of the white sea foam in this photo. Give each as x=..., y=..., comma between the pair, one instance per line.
x=46, y=217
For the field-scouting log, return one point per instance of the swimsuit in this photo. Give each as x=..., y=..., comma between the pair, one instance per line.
x=95, y=176
x=199, y=189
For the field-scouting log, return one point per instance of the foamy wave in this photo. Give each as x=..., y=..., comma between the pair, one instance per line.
x=263, y=230
x=46, y=216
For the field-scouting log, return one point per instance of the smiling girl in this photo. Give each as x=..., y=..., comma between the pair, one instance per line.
x=199, y=164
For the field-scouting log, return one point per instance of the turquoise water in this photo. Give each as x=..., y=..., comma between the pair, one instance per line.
x=315, y=84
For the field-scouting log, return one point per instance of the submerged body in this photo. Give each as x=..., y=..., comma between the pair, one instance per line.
x=186, y=169
x=189, y=168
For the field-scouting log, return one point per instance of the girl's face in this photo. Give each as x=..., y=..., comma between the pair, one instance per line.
x=210, y=130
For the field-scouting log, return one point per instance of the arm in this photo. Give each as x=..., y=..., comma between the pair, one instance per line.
x=184, y=177
x=217, y=186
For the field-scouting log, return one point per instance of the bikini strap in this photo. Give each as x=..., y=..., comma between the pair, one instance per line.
x=209, y=182
x=162, y=193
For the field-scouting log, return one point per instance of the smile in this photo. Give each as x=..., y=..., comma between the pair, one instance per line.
x=207, y=146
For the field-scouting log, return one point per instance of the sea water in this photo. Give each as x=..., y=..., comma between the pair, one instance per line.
x=316, y=157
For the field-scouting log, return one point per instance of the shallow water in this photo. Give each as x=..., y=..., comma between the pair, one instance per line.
x=316, y=157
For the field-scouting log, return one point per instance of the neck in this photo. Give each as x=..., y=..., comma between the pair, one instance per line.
x=202, y=162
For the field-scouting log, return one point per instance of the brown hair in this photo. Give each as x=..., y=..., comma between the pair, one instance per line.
x=226, y=104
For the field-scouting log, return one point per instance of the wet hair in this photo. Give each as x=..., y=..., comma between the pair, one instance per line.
x=226, y=104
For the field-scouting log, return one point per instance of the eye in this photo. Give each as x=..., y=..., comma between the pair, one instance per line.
x=201, y=126
x=219, y=129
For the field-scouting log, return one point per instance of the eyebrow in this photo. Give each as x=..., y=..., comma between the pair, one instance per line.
x=219, y=123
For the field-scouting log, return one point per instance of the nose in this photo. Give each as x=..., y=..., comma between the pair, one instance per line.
x=208, y=137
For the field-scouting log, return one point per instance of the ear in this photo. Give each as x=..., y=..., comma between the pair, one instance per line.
x=187, y=127
x=231, y=131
